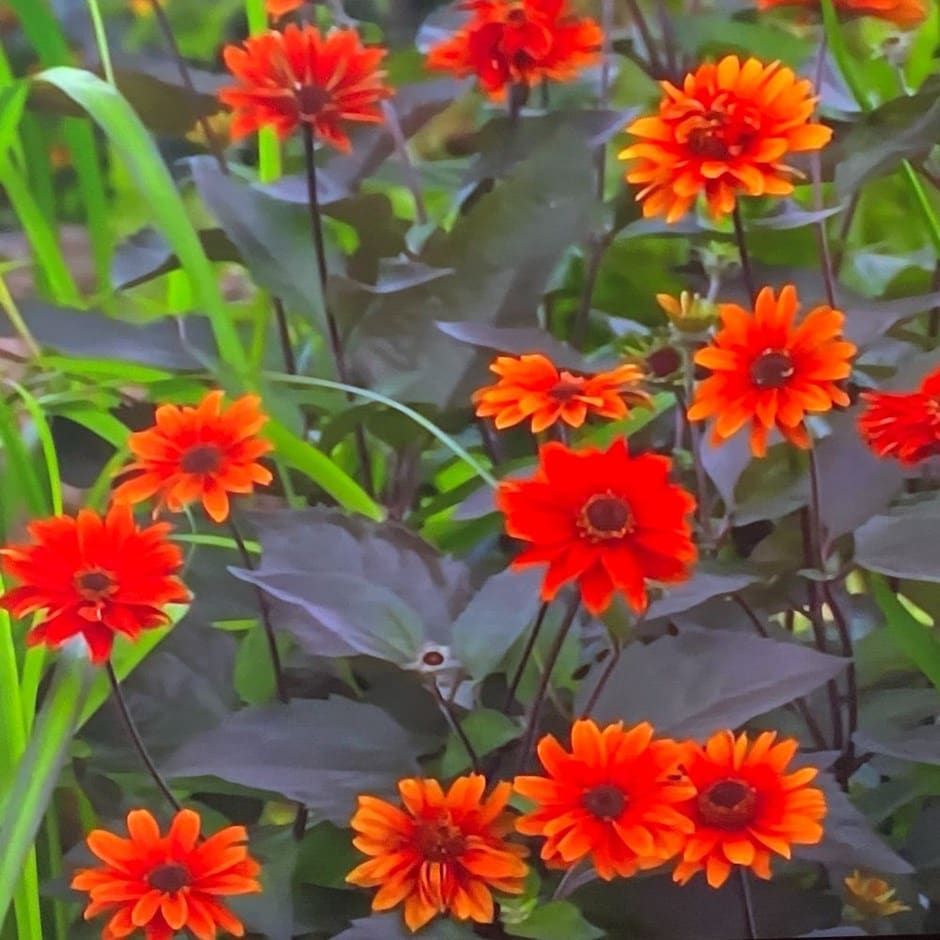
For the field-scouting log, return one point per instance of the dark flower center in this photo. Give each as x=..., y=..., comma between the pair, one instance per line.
x=439, y=840
x=516, y=16
x=96, y=584
x=605, y=801
x=169, y=878
x=728, y=804
x=567, y=388
x=773, y=368
x=705, y=142
x=312, y=99
x=605, y=516
x=432, y=658
x=204, y=458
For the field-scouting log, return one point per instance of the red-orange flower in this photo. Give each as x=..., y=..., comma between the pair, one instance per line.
x=770, y=372
x=605, y=519
x=903, y=13
x=532, y=387
x=201, y=453
x=905, y=425
x=724, y=133
x=93, y=577
x=613, y=798
x=301, y=76
x=278, y=8
x=519, y=42
x=440, y=852
x=162, y=884
x=747, y=806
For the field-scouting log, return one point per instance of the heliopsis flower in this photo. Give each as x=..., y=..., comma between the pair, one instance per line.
x=278, y=8
x=198, y=453
x=771, y=372
x=162, y=884
x=532, y=387
x=903, y=13
x=611, y=798
x=519, y=42
x=439, y=853
x=724, y=133
x=747, y=805
x=905, y=425
x=867, y=897
x=605, y=519
x=93, y=577
x=301, y=76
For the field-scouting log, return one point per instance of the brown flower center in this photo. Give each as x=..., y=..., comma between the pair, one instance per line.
x=96, y=584
x=605, y=801
x=706, y=142
x=605, y=516
x=433, y=658
x=312, y=99
x=773, y=368
x=202, y=459
x=169, y=878
x=567, y=388
x=439, y=840
x=728, y=804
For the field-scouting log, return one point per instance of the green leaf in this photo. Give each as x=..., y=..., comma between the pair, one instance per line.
x=487, y=730
x=913, y=638
x=557, y=920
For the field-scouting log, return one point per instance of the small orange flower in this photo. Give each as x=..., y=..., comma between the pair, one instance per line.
x=903, y=13
x=770, y=372
x=519, y=42
x=277, y=8
x=605, y=519
x=724, y=133
x=612, y=798
x=440, y=853
x=93, y=577
x=163, y=884
x=532, y=387
x=301, y=76
x=905, y=425
x=747, y=805
x=201, y=453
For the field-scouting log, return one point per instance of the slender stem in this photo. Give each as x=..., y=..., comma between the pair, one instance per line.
x=336, y=341
x=412, y=176
x=651, y=53
x=607, y=26
x=933, y=318
x=448, y=712
x=265, y=615
x=612, y=661
x=848, y=217
x=287, y=350
x=746, y=902
x=550, y=663
x=815, y=163
x=815, y=506
x=743, y=252
x=136, y=739
x=684, y=401
x=669, y=40
x=526, y=655
x=212, y=139
x=101, y=39
x=845, y=640
x=598, y=247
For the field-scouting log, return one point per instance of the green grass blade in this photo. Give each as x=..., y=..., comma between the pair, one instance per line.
x=913, y=639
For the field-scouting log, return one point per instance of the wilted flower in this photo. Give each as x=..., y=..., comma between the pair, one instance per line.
x=688, y=313
x=867, y=897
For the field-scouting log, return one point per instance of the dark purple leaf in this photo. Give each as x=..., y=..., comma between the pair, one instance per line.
x=146, y=255
x=392, y=927
x=903, y=542
x=920, y=745
x=707, y=581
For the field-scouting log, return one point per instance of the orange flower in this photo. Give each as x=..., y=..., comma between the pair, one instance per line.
x=613, y=797
x=904, y=425
x=300, y=76
x=93, y=577
x=747, y=806
x=163, y=884
x=724, y=133
x=770, y=372
x=278, y=8
x=519, y=42
x=532, y=387
x=440, y=853
x=602, y=518
x=200, y=453
x=903, y=13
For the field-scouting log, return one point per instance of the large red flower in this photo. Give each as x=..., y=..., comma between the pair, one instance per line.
x=301, y=76
x=93, y=577
x=605, y=519
x=519, y=42
x=905, y=425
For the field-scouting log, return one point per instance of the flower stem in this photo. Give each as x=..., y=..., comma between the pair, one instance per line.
x=276, y=665
x=747, y=902
x=287, y=350
x=815, y=163
x=652, y=56
x=447, y=711
x=743, y=252
x=526, y=656
x=615, y=652
x=136, y=739
x=412, y=176
x=336, y=341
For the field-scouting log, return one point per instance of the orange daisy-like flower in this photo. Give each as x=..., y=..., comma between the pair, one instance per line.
x=301, y=76
x=532, y=387
x=277, y=8
x=93, y=577
x=202, y=453
x=519, y=42
x=724, y=133
x=439, y=852
x=770, y=372
x=163, y=884
x=612, y=798
x=747, y=806
x=605, y=519
x=903, y=13
x=905, y=425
